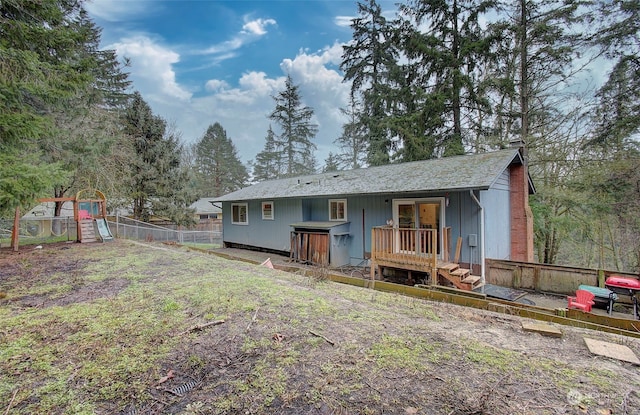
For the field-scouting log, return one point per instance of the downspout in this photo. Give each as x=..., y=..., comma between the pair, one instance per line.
x=482, y=273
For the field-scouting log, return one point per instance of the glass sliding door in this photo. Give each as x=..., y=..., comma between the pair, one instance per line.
x=417, y=215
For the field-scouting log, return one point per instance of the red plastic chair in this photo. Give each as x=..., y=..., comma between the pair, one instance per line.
x=582, y=301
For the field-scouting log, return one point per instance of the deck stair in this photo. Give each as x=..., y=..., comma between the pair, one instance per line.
x=461, y=278
x=87, y=231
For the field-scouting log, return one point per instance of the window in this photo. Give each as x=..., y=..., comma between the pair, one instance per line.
x=267, y=210
x=239, y=214
x=338, y=210
x=206, y=216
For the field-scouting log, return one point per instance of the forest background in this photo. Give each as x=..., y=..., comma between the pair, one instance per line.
x=442, y=78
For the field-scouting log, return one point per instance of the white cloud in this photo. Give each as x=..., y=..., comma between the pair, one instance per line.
x=152, y=68
x=243, y=109
x=343, y=21
x=215, y=85
x=251, y=31
x=257, y=27
x=258, y=82
x=312, y=71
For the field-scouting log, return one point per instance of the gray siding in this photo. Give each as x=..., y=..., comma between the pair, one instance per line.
x=462, y=215
x=497, y=205
x=373, y=211
x=367, y=211
x=270, y=234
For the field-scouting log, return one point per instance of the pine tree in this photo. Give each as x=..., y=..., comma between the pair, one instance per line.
x=617, y=120
x=446, y=41
x=268, y=163
x=158, y=182
x=86, y=139
x=330, y=163
x=368, y=62
x=296, y=130
x=58, y=88
x=42, y=66
x=217, y=164
x=353, y=141
x=539, y=42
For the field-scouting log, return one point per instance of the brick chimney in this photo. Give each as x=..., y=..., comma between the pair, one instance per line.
x=521, y=214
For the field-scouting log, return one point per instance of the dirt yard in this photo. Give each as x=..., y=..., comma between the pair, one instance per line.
x=129, y=328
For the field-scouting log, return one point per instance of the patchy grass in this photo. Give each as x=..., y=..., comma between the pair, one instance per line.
x=98, y=329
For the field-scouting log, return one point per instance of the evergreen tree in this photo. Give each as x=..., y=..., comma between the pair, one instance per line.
x=42, y=66
x=617, y=120
x=331, y=163
x=528, y=82
x=296, y=130
x=268, y=163
x=219, y=169
x=368, y=61
x=447, y=42
x=617, y=117
x=353, y=141
x=87, y=140
x=158, y=180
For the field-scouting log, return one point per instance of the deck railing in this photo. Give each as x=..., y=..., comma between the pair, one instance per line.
x=406, y=248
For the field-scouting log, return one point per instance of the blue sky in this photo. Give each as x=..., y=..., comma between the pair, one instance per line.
x=200, y=62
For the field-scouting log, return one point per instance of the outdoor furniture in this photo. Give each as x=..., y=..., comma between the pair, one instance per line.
x=603, y=296
x=625, y=286
x=582, y=301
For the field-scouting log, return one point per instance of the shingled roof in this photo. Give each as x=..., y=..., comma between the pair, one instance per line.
x=469, y=172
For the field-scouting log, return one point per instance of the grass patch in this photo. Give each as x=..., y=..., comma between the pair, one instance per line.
x=287, y=345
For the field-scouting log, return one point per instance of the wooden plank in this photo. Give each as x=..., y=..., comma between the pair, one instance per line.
x=612, y=350
x=542, y=328
x=456, y=259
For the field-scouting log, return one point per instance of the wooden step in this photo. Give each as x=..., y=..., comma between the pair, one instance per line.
x=471, y=279
x=450, y=266
x=461, y=272
x=87, y=231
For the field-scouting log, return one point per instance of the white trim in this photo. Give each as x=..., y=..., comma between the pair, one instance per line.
x=264, y=217
x=246, y=213
x=344, y=202
x=482, y=236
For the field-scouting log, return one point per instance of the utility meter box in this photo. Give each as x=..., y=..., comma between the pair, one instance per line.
x=473, y=239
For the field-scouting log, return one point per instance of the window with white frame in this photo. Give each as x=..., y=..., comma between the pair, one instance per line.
x=267, y=210
x=239, y=214
x=338, y=209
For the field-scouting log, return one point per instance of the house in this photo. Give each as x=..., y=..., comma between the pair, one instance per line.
x=395, y=215
x=206, y=208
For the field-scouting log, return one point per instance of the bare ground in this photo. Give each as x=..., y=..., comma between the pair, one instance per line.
x=367, y=353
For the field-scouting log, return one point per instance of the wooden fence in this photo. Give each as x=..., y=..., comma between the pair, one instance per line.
x=545, y=278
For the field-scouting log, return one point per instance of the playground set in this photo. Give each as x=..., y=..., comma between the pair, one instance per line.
x=89, y=213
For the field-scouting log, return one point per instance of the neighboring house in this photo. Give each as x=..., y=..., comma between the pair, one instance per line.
x=207, y=208
x=480, y=200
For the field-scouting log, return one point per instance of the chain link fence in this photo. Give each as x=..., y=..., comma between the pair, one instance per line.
x=127, y=228
x=39, y=230
x=35, y=231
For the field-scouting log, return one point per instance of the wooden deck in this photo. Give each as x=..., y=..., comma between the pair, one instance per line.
x=412, y=249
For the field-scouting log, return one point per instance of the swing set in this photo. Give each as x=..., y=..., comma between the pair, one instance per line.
x=89, y=213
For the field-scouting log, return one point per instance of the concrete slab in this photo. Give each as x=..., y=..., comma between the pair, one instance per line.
x=612, y=350
x=542, y=328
